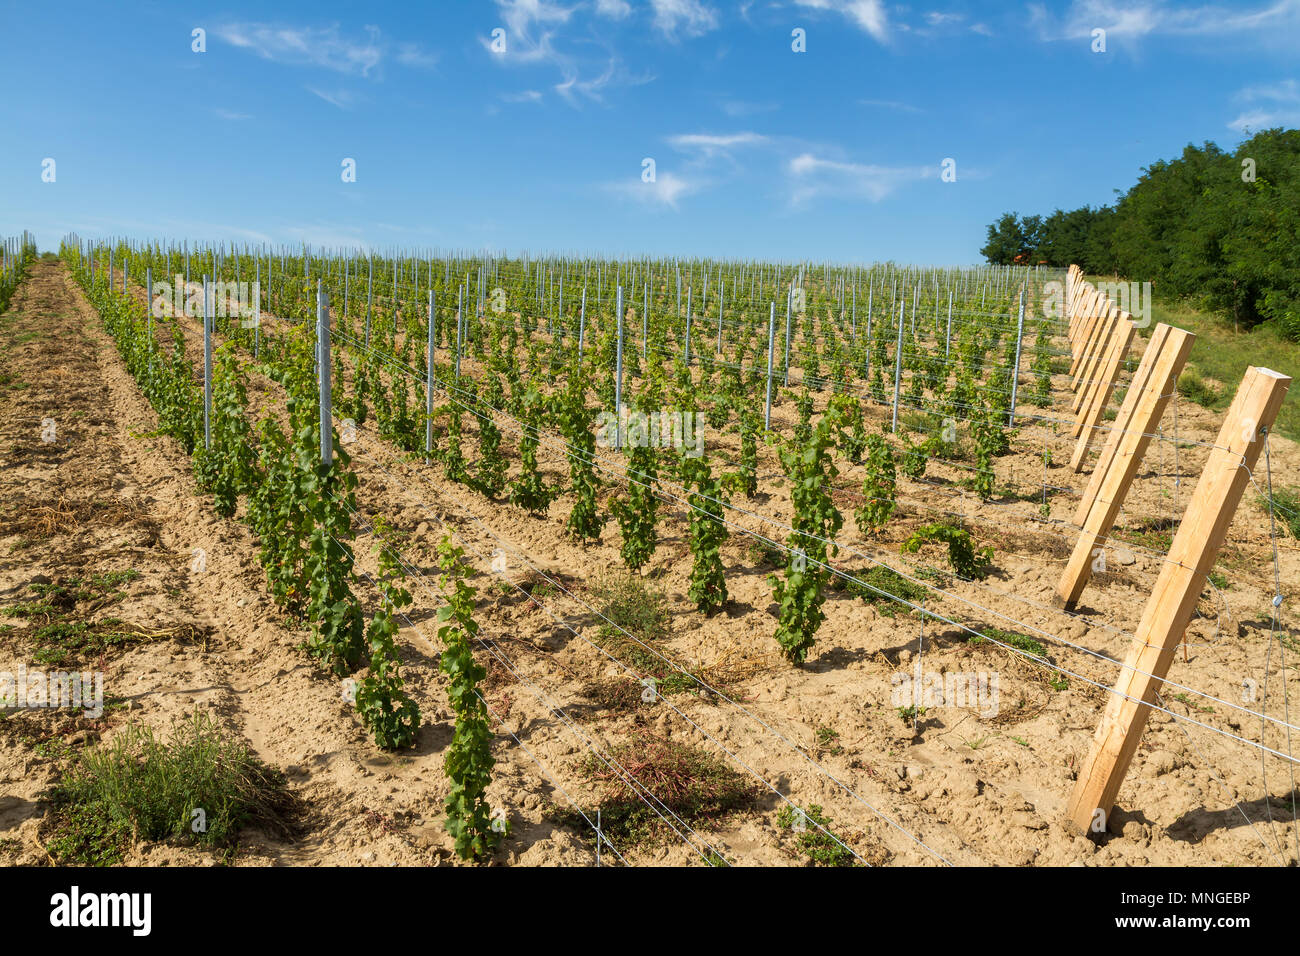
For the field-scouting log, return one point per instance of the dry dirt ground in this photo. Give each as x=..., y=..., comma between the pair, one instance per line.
x=109, y=495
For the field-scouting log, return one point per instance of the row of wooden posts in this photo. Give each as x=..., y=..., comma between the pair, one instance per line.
x=1100, y=336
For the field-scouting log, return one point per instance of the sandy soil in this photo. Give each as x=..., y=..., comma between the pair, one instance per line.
x=960, y=787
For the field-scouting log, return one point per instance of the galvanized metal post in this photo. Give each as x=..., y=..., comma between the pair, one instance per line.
x=771, y=352
x=947, y=340
x=722, y=294
x=853, y=316
x=428, y=388
x=323, y=372
x=898, y=363
x=370, y=296
x=618, y=376
x=207, y=366
x=686, y=349
x=1015, y=372
x=257, y=312
x=582, y=322
x=460, y=321
x=789, y=302
x=148, y=313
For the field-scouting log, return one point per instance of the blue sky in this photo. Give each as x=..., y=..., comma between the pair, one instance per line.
x=759, y=151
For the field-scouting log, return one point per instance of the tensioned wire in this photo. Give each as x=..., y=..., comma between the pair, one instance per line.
x=596, y=461
x=1161, y=707
x=1174, y=716
x=500, y=722
x=553, y=706
x=672, y=664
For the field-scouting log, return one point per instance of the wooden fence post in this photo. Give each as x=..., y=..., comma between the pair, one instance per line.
x=1105, y=379
x=1093, y=331
x=1094, y=404
x=1169, y=609
x=1148, y=395
x=1089, y=311
x=1087, y=373
x=1078, y=311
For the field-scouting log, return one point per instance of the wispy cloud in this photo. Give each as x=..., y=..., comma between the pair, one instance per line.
x=1129, y=19
x=232, y=115
x=666, y=189
x=740, y=108
x=936, y=18
x=683, y=18
x=343, y=99
x=412, y=55
x=1268, y=106
x=532, y=28
x=867, y=15
x=812, y=177
x=614, y=9
x=327, y=47
x=707, y=146
x=892, y=105
x=523, y=96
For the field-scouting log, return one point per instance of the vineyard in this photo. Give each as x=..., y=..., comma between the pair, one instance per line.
x=641, y=561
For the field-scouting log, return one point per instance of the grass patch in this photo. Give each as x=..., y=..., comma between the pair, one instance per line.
x=1020, y=642
x=815, y=837
x=628, y=602
x=636, y=616
x=200, y=786
x=1223, y=353
x=764, y=554
x=694, y=784
x=879, y=584
x=1154, y=534
x=1193, y=386
x=1286, y=506
x=58, y=620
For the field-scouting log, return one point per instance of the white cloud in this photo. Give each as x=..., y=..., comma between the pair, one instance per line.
x=572, y=85
x=683, y=17
x=530, y=30
x=813, y=177
x=232, y=115
x=523, y=96
x=867, y=15
x=614, y=9
x=739, y=108
x=1127, y=19
x=708, y=145
x=340, y=98
x=1268, y=106
x=1287, y=91
x=892, y=105
x=409, y=54
x=666, y=190
x=324, y=47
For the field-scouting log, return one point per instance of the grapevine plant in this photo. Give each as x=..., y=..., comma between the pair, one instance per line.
x=382, y=703
x=800, y=594
x=469, y=760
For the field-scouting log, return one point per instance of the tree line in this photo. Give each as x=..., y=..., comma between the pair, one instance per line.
x=1218, y=229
